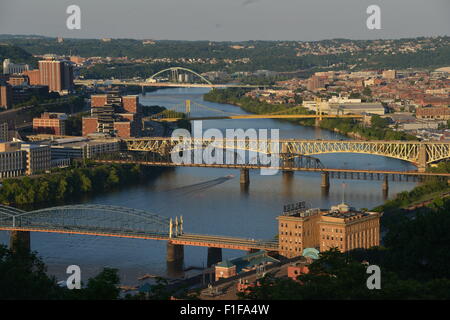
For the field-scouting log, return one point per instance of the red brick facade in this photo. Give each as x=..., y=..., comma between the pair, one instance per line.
x=49, y=125
x=89, y=125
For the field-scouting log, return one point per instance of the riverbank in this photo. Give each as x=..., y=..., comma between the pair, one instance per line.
x=69, y=184
x=378, y=130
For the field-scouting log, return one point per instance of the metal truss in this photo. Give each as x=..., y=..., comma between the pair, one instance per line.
x=418, y=153
x=88, y=219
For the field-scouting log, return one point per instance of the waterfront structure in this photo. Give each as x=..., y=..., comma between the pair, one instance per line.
x=38, y=158
x=50, y=123
x=12, y=160
x=83, y=148
x=252, y=261
x=346, y=107
x=340, y=227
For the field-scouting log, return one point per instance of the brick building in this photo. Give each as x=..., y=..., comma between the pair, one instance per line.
x=56, y=74
x=6, y=95
x=119, y=116
x=50, y=123
x=34, y=77
x=341, y=226
x=433, y=113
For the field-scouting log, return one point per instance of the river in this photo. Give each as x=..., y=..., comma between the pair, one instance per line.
x=211, y=203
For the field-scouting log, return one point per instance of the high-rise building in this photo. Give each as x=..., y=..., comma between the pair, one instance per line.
x=340, y=227
x=6, y=95
x=316, y=83
x=114, y=115
x=56, y=74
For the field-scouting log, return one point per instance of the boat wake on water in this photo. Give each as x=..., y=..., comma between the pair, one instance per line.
x=198, y=187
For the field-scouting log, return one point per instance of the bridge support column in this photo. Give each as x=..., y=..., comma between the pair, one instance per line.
x=175, y=252
x=422, y=165
x=385, y=186
x=20, y=241
x=245, y=177
x=285, y=162
x=317, y=122
x=325, y=180
x=214, y=256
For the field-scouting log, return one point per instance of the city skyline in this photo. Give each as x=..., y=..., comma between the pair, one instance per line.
x=235, y=20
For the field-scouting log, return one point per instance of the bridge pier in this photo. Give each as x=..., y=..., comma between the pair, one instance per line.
x=385, y=186
x=317, y=122
x=423, y=158
x=175, y=252
x=286, y=162
x=325, y=180
x=20, y=241
x=214, y=256
x=245, y=177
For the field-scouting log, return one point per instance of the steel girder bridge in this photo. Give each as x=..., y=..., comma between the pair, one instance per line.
x=418, y=153
x=187, y=110
x=116, y=221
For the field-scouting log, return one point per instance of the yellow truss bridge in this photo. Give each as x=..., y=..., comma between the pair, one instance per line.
x=187, y=109
x=418, y=153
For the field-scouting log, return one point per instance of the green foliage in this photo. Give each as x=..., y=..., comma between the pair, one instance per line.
x=16, y=54
x=70, y=183
x=104, y=286
x=23, y=276
x=74, y=124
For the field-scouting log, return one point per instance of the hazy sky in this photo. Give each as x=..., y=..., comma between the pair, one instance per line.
x=227, y=19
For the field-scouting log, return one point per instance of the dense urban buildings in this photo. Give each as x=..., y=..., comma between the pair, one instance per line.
x=114, y=115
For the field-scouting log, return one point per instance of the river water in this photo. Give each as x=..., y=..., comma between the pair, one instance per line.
x=211, y=202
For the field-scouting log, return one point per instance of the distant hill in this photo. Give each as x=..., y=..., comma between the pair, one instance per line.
x=281, y=56
x=16, y=54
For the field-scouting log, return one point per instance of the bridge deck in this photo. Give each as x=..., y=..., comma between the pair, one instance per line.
x=184, y=239
x=285, y=168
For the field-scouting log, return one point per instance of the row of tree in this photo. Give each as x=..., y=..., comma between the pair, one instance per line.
x=70, y=183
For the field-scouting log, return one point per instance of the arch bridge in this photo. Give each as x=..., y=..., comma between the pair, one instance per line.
x=175, y=73
x=418, y=153
x=116, y=221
